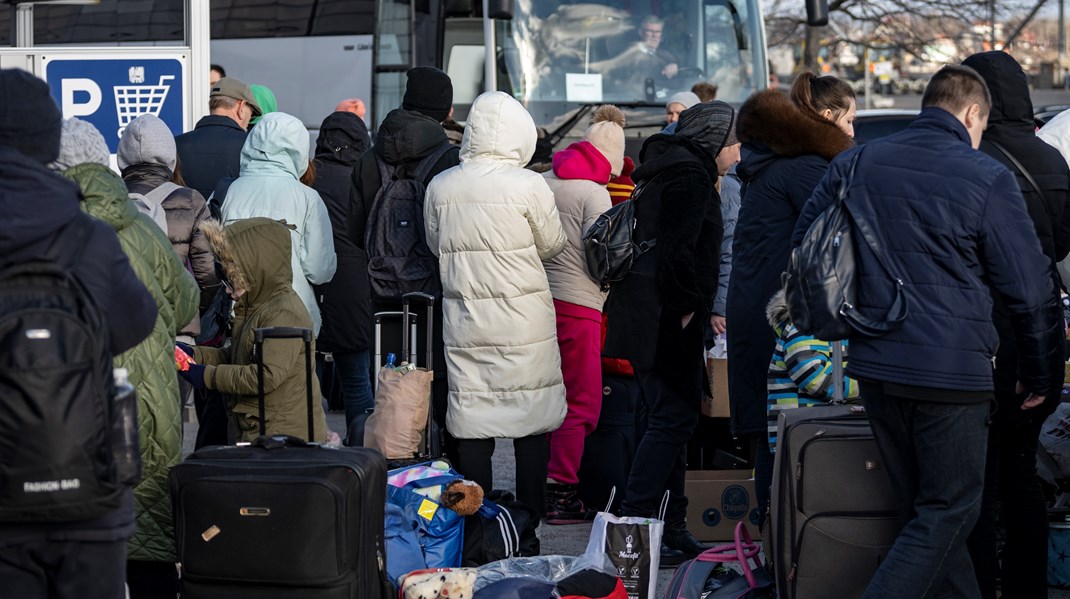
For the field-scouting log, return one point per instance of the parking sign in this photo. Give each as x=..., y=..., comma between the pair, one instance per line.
x=110, y=92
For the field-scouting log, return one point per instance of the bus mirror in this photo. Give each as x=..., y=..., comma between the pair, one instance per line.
x=500, y=9
x=817, y=13
x=458, y=8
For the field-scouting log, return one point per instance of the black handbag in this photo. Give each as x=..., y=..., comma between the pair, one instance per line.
x=821, y=283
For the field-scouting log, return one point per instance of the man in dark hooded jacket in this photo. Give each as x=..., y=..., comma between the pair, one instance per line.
x=345, y=302
x=1010, y=472
x=657, y=312
x=407, y=136
x=40, y=211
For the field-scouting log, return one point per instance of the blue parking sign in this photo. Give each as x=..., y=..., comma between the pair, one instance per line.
x=112, y=92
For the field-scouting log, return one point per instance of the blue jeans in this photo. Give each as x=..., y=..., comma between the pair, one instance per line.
x=353, y=372
x=935, y=457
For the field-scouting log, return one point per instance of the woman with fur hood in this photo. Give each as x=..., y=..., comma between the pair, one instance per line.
x=254, y=266
x=787, y=147
x=492, y=223
x=578, y=179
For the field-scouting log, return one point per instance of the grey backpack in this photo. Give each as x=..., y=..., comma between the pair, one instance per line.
x=152, y=203
x=399, y=260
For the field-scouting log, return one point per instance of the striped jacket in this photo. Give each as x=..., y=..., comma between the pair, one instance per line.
x=800, y=371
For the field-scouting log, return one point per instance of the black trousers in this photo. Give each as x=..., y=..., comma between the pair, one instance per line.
x=211, y=418
x=151, y=580
x=63, y=570
x=531, y=453
x=1012, y=494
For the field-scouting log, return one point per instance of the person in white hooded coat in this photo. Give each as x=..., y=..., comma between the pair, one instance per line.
x=492, y=223
x=273, y=159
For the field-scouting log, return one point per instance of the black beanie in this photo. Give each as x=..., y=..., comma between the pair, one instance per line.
x=711, y=125
x=30, y=121
x=429, y=91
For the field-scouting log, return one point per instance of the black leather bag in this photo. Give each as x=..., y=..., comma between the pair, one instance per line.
x=821, y=283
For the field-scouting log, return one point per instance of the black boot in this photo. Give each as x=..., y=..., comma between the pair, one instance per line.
x=677, y=537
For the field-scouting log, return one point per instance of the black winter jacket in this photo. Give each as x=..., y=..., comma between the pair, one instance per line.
x=212, y=151
x=952, y=222
x=1010, y=124
x=785, y=154
x=345, y=302
x=679, y=207
x=35, y=204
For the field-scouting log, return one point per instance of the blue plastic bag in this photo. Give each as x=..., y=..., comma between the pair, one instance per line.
x=439, y=529
x=403, y=551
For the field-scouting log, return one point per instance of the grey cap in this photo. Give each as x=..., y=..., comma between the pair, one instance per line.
x=147, y=140
x=237, y=89
x=80, y=143
x=711, y=125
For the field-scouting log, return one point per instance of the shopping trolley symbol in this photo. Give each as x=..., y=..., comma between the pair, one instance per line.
x=132, y=101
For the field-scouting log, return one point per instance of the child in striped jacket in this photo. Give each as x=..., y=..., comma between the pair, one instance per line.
x=800, y=371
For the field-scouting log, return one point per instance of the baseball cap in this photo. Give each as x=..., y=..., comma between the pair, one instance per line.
x=237, y=89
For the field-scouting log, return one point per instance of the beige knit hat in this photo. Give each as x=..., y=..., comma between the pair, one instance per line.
x=607, y=134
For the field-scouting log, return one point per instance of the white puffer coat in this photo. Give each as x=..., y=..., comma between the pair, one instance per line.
x=491, y=222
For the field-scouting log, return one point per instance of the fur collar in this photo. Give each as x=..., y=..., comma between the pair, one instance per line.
x=770, y=117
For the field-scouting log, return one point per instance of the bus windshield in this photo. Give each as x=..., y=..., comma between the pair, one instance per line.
x=619, y=51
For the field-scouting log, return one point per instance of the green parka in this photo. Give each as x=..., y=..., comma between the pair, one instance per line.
x=255, y=255
x=151, y=363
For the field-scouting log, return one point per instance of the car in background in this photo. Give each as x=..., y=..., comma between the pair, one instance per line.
x=1043, y=114
x=871, y=124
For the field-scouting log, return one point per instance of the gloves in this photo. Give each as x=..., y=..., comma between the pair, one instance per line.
x=186, y=348
x=194, y=376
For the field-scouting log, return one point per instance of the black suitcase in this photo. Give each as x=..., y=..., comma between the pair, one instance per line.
x=279, y=517
x=609, y=450
x=833, y=511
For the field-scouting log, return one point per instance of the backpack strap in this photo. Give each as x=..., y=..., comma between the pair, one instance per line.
x=386, y=173
x=1019, y=166
x=429, y=162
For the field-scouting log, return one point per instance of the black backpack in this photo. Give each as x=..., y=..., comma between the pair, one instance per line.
x=399, y=260
x=608, y=243
x=56, y=388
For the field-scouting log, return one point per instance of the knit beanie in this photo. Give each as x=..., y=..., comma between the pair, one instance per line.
x=685, y=99
x=711, y=125
x=428, y=91
x=80, y=143
x=147, y=140
x=30, y=121
x=607, y=134
x=265, y=99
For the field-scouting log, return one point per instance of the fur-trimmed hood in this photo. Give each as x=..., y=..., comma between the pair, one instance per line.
x=776, y=311
x=768, y=118
x=254, y=254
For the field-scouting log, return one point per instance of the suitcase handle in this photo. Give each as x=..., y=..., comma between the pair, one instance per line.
x=279, y=441
x=259, y=335
x=433, y=443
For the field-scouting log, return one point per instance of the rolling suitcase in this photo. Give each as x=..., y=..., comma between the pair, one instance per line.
x=279, y=517
x=390, y=384
x=833, y=511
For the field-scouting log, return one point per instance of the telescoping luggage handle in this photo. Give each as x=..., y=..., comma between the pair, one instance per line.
x=259, y=335
x=423, y=298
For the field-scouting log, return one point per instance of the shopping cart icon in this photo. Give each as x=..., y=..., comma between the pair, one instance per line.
x=132, y=101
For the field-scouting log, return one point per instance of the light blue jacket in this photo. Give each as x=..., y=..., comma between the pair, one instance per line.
x=274, y=157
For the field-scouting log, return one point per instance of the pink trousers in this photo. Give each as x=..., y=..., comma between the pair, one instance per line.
x=579, y=336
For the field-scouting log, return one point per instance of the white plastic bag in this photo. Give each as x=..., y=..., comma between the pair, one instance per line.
x=633, y=544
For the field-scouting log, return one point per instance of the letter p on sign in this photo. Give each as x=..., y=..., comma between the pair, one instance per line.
x=80, y=106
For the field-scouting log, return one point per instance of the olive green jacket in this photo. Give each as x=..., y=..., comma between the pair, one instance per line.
x=255, y=254
x=151, y=363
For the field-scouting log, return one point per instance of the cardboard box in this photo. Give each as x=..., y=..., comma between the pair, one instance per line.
x=717, y=500
x=717, y=406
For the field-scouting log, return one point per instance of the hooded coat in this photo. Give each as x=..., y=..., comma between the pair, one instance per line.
x=149, y=156
x=785, y=154
x=272, y=161
x=578, y=181
x=345, y=301
x=492, y=223
x=1010, y=124
x=36, y=206
x=253, y=255
x=151, y=363
x=679, y=207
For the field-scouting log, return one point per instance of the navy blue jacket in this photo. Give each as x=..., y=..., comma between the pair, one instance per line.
x=35, y=204
x=952, y=221
x=212, y=151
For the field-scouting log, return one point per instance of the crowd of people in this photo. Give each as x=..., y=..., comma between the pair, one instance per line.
x=200, y=239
